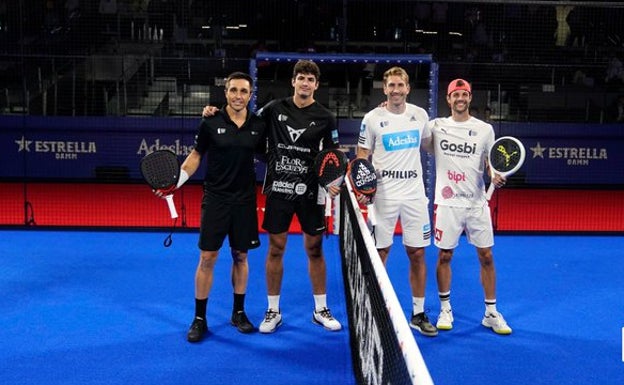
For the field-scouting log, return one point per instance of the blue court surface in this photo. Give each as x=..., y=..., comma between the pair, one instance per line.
x=90, y=307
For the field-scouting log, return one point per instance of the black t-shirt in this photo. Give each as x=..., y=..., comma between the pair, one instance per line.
x=295, y=136
x=230, y=152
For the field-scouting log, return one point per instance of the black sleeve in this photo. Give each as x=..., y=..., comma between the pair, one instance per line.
x=201, y=137
x=261, y=148
x=331, y=138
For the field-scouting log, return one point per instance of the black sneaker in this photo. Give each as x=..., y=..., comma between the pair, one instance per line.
x=421, y=323
x=240, y=320
x=197, y=330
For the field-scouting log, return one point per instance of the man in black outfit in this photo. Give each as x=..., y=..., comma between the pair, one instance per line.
x=231, y=138
x=298, y=127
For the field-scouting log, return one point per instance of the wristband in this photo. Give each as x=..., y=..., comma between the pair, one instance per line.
x=184, y=176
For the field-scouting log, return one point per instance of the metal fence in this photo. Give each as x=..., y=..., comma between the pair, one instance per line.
x=556, y=61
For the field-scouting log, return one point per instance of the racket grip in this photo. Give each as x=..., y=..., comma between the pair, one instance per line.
x=172, y=208
x=371, y=215
x=490, y=191
x=328, y=205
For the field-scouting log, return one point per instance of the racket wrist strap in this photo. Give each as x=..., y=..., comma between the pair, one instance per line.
x=184, y=176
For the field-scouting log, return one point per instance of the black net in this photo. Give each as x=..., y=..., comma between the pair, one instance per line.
x=377, y=357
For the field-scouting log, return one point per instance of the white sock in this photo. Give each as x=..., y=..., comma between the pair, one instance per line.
x=320, y=301
x=490, y=306
x=445, y=300
x=274, y=301
x=418, y=305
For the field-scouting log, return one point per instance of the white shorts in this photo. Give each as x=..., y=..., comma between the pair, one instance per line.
x=414, y=214
x=450, y=222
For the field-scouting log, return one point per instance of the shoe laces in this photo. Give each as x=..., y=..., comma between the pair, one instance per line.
x=270, y=315
x=325, y=313
x=197, y=323
x=498, y=318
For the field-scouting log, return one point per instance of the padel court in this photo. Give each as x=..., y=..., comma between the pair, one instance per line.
x=108, y=307
x=83, y=306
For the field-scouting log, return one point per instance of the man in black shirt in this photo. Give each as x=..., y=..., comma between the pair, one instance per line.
x=230, y=138
x=298, y=127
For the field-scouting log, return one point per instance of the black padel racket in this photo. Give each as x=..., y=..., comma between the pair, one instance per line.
x=330, y=167
x=506, y=157
x=363, y=177
x=363, y=180
x=161, y=171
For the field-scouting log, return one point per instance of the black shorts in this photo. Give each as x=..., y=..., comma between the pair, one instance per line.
x=279, y=213
x=239, y=222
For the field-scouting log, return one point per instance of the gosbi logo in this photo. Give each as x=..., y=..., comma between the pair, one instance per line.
x=463, y=148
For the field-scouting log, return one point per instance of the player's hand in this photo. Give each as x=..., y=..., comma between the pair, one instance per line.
x=363, y=199
x=333, y=191
x=499, y=180
x=209, y=111
x=163, y=192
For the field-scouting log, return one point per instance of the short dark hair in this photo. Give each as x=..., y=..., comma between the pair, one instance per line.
x=306, y=67
x=238, y=75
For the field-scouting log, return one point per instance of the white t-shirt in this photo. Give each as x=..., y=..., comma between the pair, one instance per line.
x=394, y=141
x=460, y=150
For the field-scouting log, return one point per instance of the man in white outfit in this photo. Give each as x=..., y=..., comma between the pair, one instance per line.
x=392, y=135
x=461, y=144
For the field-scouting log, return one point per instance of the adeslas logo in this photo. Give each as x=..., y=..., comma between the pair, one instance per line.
x=401, y=140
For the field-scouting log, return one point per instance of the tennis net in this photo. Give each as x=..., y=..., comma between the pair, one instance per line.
x=382, y=344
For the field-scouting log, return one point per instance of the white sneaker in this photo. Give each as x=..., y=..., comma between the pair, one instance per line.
x=325, y=319
x=272, y=320
x=496, y=322
x=445, y=319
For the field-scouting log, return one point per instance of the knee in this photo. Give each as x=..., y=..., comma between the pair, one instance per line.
x=486, y=259
x=416, y=255
x=276, y=251
x=314, y=247
x=207, y=260
x=238, y=256
x=314, y=252
x=445, y=256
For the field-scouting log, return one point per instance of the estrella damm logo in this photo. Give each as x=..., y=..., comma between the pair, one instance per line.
x=401, y=140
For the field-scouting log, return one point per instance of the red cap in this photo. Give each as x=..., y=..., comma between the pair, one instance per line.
x=458, y=84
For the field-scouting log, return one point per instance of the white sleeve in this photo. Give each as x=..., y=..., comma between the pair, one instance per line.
x=366, y=138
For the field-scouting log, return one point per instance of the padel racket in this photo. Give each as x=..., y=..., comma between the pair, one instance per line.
x=330, y=166
x=161, y=171
x=363, y=180
x=506, y=157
